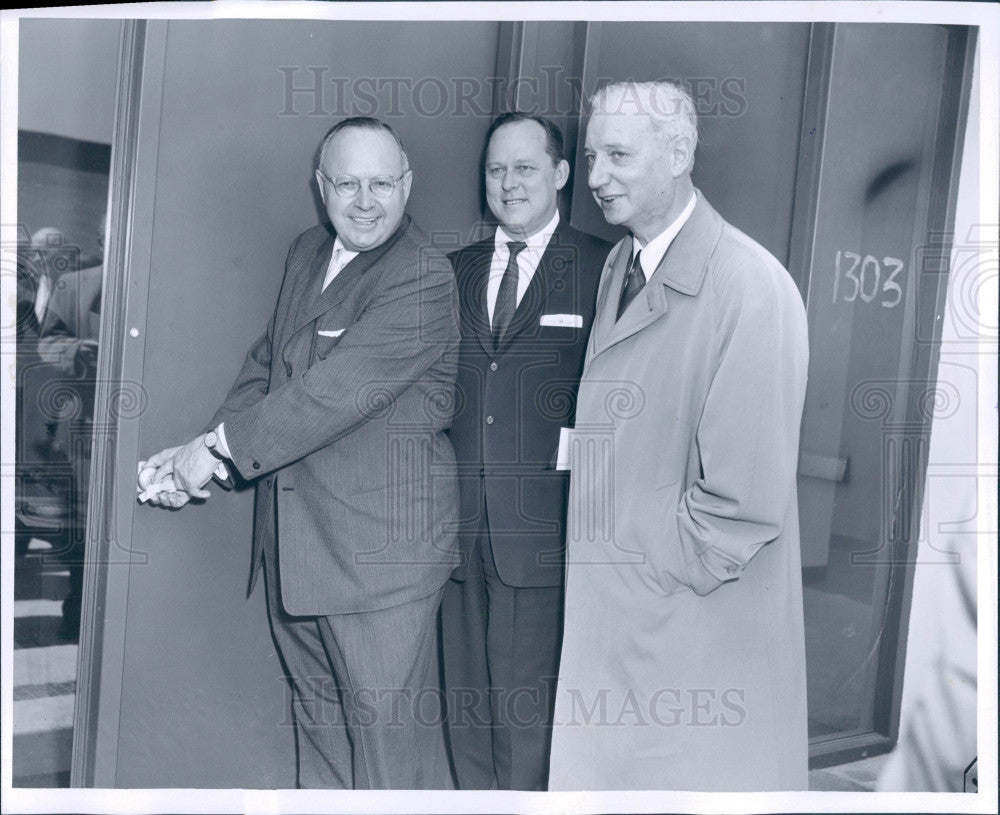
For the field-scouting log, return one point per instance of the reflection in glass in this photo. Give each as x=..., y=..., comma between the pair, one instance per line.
x=62, y=198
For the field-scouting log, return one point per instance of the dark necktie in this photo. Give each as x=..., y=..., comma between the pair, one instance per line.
x=506, y=304
x=634, y=281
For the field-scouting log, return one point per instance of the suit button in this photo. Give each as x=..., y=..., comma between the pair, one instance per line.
x=489, y=420
x=731, y=570
x=482, y=472
x=267, y=482
x=493, y=366
x=256, y=465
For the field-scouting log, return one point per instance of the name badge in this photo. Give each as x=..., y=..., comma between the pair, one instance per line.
x=562, y=457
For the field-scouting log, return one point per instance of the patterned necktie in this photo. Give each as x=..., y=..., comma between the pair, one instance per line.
x=634, y=281
x=506, y=305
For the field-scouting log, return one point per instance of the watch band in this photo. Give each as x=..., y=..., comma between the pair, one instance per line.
x=212, y=442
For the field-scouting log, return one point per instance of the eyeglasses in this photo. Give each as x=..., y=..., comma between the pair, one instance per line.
x=347, y=186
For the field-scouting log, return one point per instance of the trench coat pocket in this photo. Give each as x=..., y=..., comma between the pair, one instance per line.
x=667, y=552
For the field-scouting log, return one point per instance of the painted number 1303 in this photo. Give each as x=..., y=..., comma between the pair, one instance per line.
x=865, y=278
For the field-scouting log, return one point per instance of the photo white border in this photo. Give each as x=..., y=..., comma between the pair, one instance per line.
x=986, y=16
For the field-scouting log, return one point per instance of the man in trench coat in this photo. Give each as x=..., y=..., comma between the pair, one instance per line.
x=683, y=660
x=339, y=417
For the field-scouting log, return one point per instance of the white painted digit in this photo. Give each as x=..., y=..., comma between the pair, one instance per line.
x=851, y=275
x=890, y=284
x=836, y=277
x=878, y=273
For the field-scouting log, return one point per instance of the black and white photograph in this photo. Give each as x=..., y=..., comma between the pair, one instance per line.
x=499, y=407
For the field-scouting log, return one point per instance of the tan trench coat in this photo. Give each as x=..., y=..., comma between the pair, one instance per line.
x=683, y=660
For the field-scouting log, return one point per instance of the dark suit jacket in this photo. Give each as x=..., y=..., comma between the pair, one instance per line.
x=340, y=414
x=73, y=314
x=512, y=403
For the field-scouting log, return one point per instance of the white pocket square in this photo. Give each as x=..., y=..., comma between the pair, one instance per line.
x=336, y=333
x=562, y=320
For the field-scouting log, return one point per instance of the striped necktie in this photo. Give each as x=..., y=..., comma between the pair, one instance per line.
x=506, y=305
x=634, y=281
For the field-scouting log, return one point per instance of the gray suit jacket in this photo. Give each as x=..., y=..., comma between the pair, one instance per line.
x=339, y=414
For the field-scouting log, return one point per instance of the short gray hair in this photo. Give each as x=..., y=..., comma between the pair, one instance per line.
x=669, y=106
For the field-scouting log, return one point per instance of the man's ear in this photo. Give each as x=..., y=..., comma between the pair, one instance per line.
x=562, y=174
x=407, y=181
x=322, y=187
x=682, y=155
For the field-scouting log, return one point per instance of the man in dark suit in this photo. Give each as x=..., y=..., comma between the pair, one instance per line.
x=339, y=416
x=68, y=335
x=527, y=301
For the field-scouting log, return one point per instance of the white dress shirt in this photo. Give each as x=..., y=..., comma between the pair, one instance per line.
x=339, y=258
x=527, y=261
x=653, y=252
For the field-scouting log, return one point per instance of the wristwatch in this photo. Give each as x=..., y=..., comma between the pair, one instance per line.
x=212, y=443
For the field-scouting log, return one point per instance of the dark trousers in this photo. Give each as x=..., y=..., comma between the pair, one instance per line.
x=501, y=658
x=365, y=694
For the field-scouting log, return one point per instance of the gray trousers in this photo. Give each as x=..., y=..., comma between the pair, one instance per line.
x=365, y=694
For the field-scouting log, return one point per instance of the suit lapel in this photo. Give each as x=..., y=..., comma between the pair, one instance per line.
x=343, y=284
x=475, y=309
x=307, y=286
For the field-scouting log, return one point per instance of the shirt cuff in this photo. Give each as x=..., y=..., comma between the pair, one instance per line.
x=223, y=444
x=222, y=472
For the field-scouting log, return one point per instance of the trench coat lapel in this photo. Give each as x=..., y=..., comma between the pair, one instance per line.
x=682, y=269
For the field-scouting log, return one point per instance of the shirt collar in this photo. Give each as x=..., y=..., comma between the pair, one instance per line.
x=346, y=255
x=536, y=243
x=653, y=252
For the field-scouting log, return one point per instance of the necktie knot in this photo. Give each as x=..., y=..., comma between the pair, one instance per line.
x=516, y=247
x=636, y=269
x=634, y=281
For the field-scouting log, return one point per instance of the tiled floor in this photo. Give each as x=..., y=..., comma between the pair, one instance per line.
x=44, y=673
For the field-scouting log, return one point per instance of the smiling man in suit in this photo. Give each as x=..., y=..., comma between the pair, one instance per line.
x=526, y=301
x=339, y=417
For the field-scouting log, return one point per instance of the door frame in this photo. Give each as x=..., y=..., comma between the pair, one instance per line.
x=119, y=404
x=920, y=373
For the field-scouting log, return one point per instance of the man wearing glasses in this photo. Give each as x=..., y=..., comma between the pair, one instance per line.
x=339, y=417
